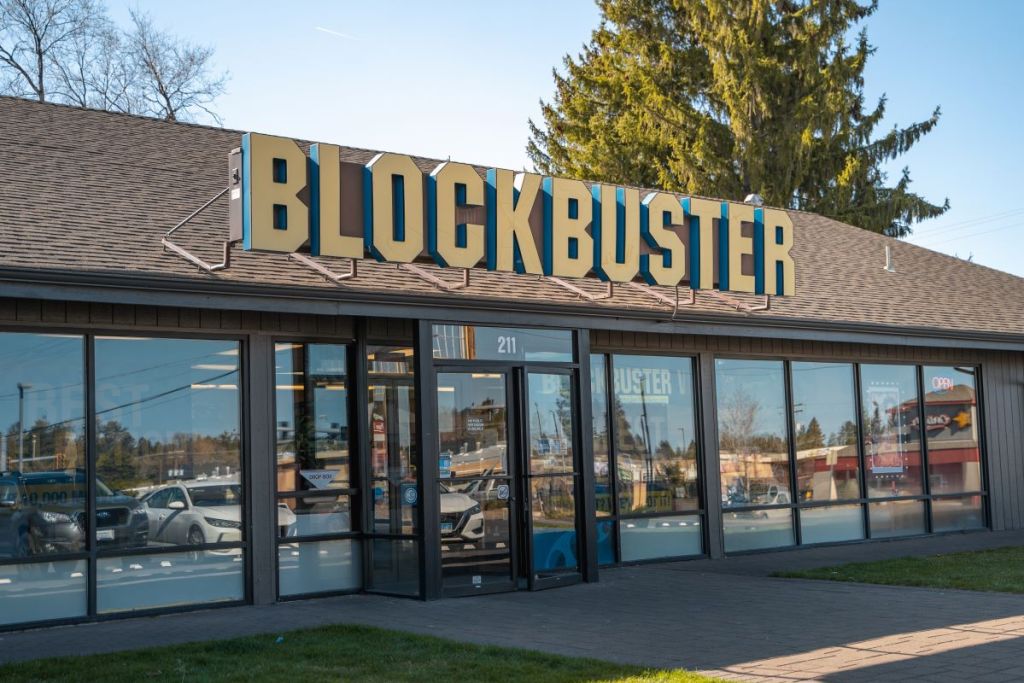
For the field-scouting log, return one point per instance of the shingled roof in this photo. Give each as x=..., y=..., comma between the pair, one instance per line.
x=93, y=192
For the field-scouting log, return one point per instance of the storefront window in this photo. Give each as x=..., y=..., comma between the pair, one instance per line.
x=827, y=451
x=831, y=524
x=951, y=429
x=752, y=433
x=897, y=518
x=754, y=453
x=323, y=566
x=43, y=591
x=42, y=476
x=754, y=529
x=655, y=446
x=169, y=471
x=645, y=538
x=42, y=454
x=650, y=425
x=892, y=435
x=316, y=495
x=958, y=513
x=825, y=420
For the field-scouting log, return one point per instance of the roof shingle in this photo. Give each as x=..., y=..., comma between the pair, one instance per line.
x=92, y=191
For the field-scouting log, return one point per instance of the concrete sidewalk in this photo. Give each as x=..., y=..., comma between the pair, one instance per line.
x=727, y=618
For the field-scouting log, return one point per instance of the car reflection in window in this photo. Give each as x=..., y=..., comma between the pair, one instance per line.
x=461, y=516
x=44, y=512
x=198, y=512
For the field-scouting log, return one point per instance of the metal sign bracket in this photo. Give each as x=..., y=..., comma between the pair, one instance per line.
x=434, y=280
x=675, y=304
x=765, y=305
x=189, y=256
x=353, y=270
x=583, y=294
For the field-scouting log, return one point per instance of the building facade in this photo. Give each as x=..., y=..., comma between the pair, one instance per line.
x=192, y=416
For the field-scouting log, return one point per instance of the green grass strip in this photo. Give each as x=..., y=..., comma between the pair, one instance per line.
x=999, y=570
x=335, y=653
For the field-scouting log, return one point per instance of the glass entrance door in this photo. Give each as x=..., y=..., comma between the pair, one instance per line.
x=550, y=479
x=507, y=480
x=476, y=483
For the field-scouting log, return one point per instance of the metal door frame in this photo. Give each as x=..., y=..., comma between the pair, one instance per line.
x=524, y=477
x=510, y=477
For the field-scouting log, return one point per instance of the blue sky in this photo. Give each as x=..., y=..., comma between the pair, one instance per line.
x=461, y=79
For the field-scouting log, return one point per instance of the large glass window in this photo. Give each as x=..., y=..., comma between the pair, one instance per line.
x=891, y=416
x=951, y=425
x=825, y=420
x=42, y=477
x=316, y=494
x=892, y=434
x=827, y=453
x=857, y=458
x=753, y=440
x=655, y=445
x=645, y=451
x=752, y=433
x=951, y=428
x=168, y=472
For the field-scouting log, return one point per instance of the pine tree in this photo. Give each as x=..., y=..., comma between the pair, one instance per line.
x=810, y=436
x=727, y=97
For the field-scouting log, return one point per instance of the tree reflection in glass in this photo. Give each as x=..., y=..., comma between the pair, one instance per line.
x=752, y=433
x=824, y=417
x=656, y=452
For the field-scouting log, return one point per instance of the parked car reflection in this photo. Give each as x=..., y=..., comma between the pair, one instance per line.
x=15, y=517
x=197, y=512
x=461, y=516
x=44, y=512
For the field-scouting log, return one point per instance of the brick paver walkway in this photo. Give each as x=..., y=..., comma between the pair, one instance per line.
x=727, y=618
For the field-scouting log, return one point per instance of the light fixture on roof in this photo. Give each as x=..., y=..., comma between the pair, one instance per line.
x=754, y=198
x=889, y=265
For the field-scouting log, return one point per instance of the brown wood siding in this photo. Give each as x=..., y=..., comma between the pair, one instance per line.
x=43, y=314
x=1002, y=378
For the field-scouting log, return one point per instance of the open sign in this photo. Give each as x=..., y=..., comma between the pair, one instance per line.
x=942, y=383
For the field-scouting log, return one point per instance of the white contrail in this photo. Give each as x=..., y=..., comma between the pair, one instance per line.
x=336, y=33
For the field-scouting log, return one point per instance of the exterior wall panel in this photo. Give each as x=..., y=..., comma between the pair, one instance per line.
x=44, y=313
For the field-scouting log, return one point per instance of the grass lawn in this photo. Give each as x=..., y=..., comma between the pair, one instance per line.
x=334, y=653
x=999, y=570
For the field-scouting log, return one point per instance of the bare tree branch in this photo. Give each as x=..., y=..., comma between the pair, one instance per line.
x=94, y=70
x=31, y=31
x=69, y=51
x=176, y=78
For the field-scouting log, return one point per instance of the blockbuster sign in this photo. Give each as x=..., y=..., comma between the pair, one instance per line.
x=391, y=210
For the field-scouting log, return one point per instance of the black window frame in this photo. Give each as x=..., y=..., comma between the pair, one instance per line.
x=355, y=493
x=92, y=554
x=617, y=516
x=363, y=344
x=865, y=502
